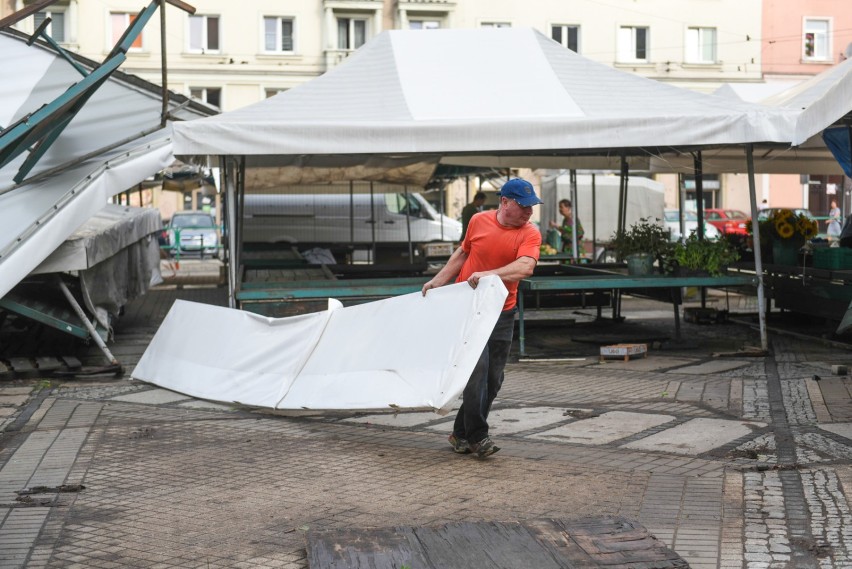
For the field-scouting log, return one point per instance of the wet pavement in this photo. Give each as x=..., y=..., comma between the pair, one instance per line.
x=732, y=461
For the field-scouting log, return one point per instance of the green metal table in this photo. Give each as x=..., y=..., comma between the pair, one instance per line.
x=615, y=282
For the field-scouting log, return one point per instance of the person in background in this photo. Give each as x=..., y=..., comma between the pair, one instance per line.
x=470, y=209
x=499, y=242
x=566, y=228
x=833, y=222
x=763, y=205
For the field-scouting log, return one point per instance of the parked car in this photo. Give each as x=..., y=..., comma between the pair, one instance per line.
x=728, y=221
x=690, y=225
x=197, y=231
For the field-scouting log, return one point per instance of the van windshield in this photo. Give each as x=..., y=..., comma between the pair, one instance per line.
x=415, y=205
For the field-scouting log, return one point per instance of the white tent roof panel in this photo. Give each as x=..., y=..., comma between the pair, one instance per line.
x=410, y=92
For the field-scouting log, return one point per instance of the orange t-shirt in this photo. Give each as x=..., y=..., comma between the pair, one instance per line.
x=490, y=246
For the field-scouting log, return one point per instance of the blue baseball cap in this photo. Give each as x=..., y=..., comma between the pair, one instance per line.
x=521, y=191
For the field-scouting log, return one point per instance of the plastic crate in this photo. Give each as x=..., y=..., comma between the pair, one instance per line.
x=833, y=258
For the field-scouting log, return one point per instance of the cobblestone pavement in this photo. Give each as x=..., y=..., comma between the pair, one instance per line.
x=733, y=461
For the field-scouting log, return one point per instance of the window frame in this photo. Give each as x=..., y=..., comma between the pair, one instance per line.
x=352, y=19
x=50, y=12
x=138, y=45
x=204, y=97
x=816, y=58
x=204, y=49
x=495, y=24
x=621, y=50
x=565, y=35
x=694, y=46
x=422, y=21
x=279, y=35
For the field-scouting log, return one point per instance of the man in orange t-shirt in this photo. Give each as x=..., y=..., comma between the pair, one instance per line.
x=506, y=244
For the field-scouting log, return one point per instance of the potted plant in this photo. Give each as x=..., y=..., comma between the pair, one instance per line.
x=703, y=256
x=643, y=243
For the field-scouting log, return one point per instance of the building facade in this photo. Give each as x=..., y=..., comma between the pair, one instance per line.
x=232, y=54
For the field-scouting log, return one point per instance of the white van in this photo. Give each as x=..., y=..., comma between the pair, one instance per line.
x=348, y=219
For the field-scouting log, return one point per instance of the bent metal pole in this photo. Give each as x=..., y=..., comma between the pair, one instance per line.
x=758, y=261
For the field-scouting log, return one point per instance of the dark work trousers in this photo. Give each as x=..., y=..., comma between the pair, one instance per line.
x=485, y=381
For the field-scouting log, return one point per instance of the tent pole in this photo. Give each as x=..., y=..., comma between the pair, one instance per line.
x=443, y=211
x=758, y=261
x=625, y=174
x=373, y=223
x=352, y=211
x=408, y=226
x=227, y=167
x=681, y=202
x=843, y=208
x=573, y=178
x=699, y=198
x=594, y=219
x=699, y=192
x=241, y=204
x=620, y=221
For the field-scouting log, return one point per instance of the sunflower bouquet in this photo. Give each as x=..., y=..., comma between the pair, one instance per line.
x=786, y=225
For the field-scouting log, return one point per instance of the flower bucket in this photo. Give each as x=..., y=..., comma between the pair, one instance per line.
x=640, y=264
x=785, y=252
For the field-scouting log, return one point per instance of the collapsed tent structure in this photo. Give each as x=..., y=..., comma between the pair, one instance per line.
x=75, y=133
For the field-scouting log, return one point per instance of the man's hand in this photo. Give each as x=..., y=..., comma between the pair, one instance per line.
x=473, y=280
x=429, y=286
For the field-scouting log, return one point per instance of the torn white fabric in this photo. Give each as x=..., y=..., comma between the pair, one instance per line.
x=404, y=352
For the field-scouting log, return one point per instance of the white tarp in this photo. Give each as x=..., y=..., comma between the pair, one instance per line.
x=38, y=215
x=409, y=351
x=408, y=92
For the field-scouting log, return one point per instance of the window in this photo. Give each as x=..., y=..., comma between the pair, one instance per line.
x=568, y=36
x=278, y=34
x=203, y=34
x=701, y=45
x=271, y=92
x=632, y=43
x=424, y=24
x=496, y=25
x=351, y=33
x=816, y=46
x=56, y=28
x=120, y=22
x=211, y=96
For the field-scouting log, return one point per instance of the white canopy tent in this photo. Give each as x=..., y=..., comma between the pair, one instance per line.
x=409, y=94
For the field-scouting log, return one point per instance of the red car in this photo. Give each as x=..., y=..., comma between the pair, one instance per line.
x=727, y=221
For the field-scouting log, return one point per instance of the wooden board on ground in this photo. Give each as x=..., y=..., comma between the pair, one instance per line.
x=608, y=542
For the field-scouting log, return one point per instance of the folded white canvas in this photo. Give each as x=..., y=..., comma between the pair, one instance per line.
x=403, y=352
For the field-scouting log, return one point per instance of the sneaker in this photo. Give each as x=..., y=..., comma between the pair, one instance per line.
x=483, y=448
x=460, y=446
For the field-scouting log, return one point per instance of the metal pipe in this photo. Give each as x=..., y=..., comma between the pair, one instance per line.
x=594, y=219
x=758, y=261
x=230, y=207
x=573, y=178
x=85, y=319
x=164, y=73
x=408, y=226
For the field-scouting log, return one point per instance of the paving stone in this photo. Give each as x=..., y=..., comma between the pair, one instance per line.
x=696, y=436
x=152, y=397
x=605, y=428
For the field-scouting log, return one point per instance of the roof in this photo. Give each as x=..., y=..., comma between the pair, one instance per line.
x=413, y=93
